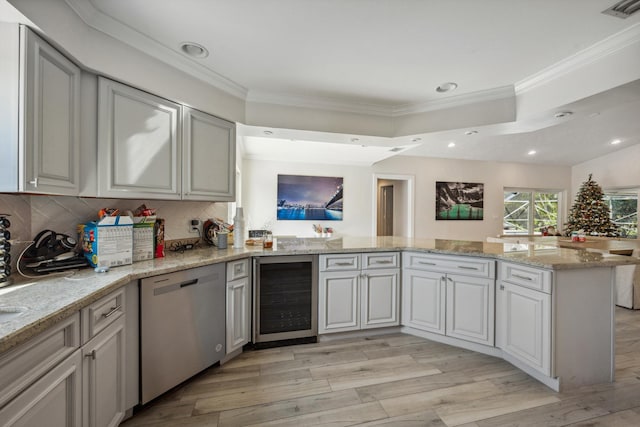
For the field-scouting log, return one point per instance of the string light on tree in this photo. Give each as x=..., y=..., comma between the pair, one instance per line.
x=590, y=213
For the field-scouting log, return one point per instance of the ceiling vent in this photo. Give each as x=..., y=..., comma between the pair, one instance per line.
x=623, y=9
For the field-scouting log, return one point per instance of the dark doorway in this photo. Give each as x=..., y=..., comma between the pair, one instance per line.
x=385, y=211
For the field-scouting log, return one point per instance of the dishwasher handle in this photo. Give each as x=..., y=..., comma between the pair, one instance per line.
x=165, y=289
x=189, y=283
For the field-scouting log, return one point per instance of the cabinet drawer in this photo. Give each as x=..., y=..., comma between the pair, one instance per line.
x=380, y=260
x=529, y=277
x=339, y=262
x=21, y=366
x=101, y=314
x=237, y=269
x=468, y=266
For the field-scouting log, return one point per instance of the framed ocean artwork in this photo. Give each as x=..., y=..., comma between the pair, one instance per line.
x=312, y=198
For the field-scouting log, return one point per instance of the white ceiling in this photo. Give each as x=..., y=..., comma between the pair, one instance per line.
x=390, y=55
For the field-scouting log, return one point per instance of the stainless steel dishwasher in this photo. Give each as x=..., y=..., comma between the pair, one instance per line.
x=182, y=326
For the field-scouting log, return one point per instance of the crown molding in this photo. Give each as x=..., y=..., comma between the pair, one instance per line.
x=95, y=18
x=331, y=104
x=593, y=53
x=487, y=95
x=377, y=109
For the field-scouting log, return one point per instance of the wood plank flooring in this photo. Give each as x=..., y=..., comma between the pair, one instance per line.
x=395, y=380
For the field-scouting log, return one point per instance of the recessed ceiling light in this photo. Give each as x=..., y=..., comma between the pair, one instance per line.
x=355, y=140
x=615, y=142
x=446, y=87
x=562, y=114
x=194, y=49
x=531, y=152
x=268, y=132
x=451, y=144
x=416, y=140
x=594, y=114
x=471, y=132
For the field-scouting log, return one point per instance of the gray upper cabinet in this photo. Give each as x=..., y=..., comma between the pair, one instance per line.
x=40, y=115
x=153, y=148
x=209, y=157
x=139, y=145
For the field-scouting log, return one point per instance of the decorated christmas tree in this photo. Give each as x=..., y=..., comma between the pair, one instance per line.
x=590, y=213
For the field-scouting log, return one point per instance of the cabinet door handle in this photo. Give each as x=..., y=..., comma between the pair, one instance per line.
x=522, y=277
x=450, y=279
x=502, y=287
x=112, y=311
x=34, y=182
x=92, y=355
x=464, y=267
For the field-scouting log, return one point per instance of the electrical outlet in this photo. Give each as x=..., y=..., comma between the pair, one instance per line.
x=194, y=226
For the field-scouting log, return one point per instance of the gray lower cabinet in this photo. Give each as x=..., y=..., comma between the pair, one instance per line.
x=449, y=295
x=55, y=400
x=103, y=377
x=524, y=311
x=104, y=359
x=238, y=305
x=77, y=373
x=41, y=380
x=41, y=122
x=358, y=291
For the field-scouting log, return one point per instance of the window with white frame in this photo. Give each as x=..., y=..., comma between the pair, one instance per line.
x=529, y=211
x=623, y=207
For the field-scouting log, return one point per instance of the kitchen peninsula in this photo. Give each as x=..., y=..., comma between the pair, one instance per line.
x=547, y=310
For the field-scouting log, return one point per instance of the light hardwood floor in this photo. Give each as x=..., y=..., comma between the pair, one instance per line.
x=395, y=380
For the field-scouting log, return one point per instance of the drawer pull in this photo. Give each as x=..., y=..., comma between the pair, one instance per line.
x=92, y=355
x=522, y=277
x=464, y=267
x=113, y=311
x=342, y=264
x=426, y=263
x=383, y=262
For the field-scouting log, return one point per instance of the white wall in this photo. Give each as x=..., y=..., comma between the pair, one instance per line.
x=494, y=175
x=259, y=187
x=620, y=169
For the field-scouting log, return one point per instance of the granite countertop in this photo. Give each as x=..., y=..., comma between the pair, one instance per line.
x=612, y=245
x=50, y=299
